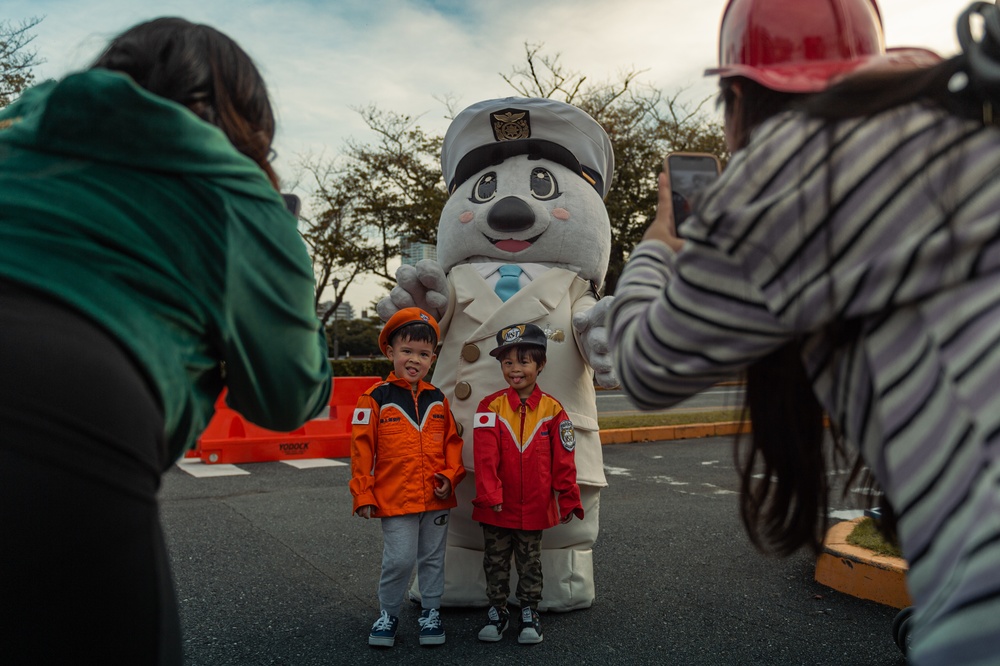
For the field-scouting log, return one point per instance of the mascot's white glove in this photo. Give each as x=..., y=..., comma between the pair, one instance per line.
x=423, y=285
x=592, y=331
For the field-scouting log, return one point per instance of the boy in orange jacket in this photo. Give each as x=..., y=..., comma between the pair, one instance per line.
x=525, y=478
x=406, y=459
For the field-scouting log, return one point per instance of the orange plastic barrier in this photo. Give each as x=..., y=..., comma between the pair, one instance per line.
x=230, y=438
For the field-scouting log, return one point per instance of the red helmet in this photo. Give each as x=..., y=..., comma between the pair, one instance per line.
x=797, y=45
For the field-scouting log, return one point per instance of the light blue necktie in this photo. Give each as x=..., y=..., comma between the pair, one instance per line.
x=509, y=281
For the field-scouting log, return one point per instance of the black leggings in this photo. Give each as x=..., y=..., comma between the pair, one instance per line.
x=84, y=573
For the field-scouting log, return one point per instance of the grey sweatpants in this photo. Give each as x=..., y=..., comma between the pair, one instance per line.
x=416, y=538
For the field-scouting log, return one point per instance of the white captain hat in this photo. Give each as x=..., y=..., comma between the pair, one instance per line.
x=490, y=131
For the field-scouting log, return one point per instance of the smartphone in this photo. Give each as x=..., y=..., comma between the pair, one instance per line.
x=292, y=203
x=689, y=174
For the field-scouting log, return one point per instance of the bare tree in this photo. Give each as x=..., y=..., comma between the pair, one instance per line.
x=391, y=188
x=17, y=58
x=372, y=198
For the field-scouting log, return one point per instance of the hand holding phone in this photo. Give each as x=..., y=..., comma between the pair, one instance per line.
x=662, y=228
x=689, y=174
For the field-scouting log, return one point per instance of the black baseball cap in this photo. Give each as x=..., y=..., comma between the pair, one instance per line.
x=519, y=334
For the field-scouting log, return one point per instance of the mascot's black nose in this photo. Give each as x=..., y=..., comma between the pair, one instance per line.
x=509, y=215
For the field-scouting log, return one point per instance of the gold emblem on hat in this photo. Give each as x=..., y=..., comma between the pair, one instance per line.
x=512, y=334
x=511, y=125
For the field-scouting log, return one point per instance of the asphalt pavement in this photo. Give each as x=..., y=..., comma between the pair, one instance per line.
x=271, y=568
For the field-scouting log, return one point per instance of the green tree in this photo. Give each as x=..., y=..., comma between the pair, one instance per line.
x=17, y=58
x=357, y=338
x=370, y=198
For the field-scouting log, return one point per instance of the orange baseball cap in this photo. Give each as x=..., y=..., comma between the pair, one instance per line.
x=405, y=317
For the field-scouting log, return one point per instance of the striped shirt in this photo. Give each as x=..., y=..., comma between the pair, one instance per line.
x=890, y=223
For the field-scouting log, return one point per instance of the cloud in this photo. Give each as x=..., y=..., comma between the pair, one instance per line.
x=324, y=59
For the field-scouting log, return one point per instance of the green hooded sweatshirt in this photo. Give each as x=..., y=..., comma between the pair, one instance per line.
x=135, y=212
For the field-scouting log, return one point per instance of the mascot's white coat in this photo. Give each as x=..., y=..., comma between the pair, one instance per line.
x=527, y=179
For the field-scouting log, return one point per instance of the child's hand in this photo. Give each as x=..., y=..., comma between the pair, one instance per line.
x=442, y=486
x=364, y=511
x=567, y=518
x=498, y=507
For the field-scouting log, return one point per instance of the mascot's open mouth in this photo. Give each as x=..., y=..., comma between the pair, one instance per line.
x=512, y=245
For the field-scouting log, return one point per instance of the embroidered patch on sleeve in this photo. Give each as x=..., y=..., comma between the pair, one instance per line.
x=566, y=435
x=485, y=419
x=361, y=416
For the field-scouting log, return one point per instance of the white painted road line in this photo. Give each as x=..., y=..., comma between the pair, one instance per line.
x=310, y=463
x=195, y=467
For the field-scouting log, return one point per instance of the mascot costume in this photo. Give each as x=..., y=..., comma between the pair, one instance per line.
x=523, y=237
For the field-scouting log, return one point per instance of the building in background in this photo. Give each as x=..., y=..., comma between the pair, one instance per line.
x=345, y=311
x=411, y=252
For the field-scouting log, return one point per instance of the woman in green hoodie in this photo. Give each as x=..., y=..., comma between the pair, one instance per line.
x=146, y=261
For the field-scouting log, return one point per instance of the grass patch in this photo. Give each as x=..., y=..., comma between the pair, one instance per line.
x=668, y=419
x=866, y=535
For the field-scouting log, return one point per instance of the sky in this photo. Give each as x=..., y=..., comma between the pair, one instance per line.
x=324, y=59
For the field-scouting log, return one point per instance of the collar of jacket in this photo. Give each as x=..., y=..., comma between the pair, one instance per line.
x=421, y=386
x=535, y=300
x=532, y=402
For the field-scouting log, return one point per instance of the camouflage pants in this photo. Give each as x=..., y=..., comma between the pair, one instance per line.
x=526, y=548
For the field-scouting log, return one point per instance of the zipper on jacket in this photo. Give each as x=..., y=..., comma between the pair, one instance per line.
x=522, y=412
x=420, y=439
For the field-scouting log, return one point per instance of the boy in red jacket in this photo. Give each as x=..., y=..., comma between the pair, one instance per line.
x=406, y=459
x=525, y=478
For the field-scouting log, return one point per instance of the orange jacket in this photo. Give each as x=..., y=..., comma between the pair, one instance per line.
x=399, y=440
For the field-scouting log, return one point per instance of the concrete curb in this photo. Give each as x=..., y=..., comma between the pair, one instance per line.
x=849, y=569
x=861, y=572
x=664, y=433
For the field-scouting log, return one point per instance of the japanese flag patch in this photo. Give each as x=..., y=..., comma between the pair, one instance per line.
x=485, y=420
x=566, y=435
x=361, y=416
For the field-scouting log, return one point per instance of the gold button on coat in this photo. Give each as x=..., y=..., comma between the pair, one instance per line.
x=470, y=353
x=463, y=390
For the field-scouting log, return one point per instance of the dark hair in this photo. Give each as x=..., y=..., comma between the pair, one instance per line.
x=755, y=104
x=206, y=71
x=530, y=352
x=784, y=487
x=871, y=92
x=416, y=331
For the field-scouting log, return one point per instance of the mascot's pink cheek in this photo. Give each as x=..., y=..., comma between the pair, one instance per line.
x=465, y=217
x=560, y=213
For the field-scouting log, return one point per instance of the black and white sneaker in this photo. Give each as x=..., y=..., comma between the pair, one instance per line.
x=383, y=633
x=531, y=627
x=499, y=621
x=431, y=631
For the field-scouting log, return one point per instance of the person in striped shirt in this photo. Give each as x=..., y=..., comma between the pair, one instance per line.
x=848, y=260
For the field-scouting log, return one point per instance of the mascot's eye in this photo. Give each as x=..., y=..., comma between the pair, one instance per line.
x=485, y=189
x=543, y=185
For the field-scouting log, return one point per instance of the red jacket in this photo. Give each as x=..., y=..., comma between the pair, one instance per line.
x=399, y=441
x=524, y=460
